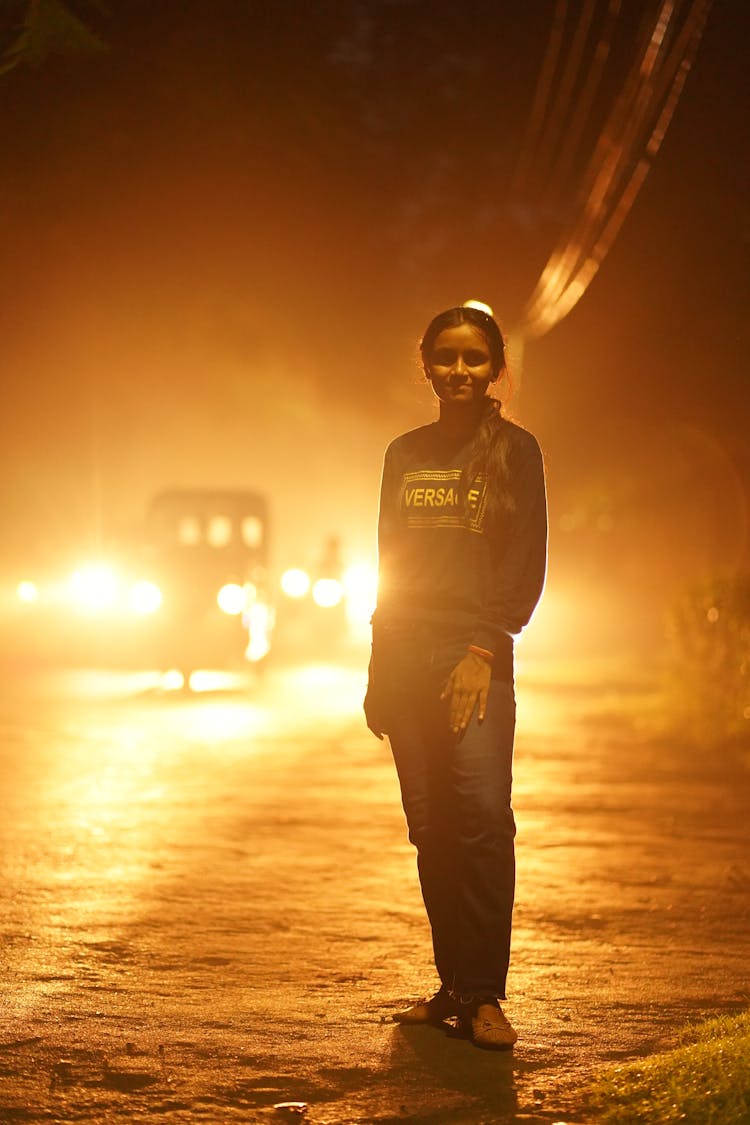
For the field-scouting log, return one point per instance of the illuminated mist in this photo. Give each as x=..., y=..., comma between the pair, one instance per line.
x=221, y=244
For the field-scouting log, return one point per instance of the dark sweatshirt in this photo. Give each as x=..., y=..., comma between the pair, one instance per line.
x=442, y=557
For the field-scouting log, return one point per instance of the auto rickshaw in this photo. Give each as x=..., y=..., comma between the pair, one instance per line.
x=207, y=551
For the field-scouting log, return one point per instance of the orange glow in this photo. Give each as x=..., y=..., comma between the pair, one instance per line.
x=144, y=598
x=259, y=621
x=27, y=592
x=94, y=588
x=360, y=584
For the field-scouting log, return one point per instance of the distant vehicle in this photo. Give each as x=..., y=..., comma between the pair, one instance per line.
x=208, y=553
x=194, y=594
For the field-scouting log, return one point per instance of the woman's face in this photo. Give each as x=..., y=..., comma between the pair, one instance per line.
x=459, y=365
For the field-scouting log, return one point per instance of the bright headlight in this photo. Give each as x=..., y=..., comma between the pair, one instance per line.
x=295, y=583
x=231, y=599
x=144, y=598
x=94, y=588
x=27, y=592
x=327, y=592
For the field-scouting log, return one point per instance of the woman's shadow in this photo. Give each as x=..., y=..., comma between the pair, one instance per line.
x=445, y=1070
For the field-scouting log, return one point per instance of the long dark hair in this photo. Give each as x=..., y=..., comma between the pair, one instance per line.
x=491, y=449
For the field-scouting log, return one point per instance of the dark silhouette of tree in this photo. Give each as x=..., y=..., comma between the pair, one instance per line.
x=32, y=30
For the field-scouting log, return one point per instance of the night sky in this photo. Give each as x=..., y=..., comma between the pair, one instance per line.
x=223, y=236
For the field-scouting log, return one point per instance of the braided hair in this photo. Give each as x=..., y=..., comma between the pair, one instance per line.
x=491, y=447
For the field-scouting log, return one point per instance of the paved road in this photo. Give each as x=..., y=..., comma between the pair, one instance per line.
x=209, y=905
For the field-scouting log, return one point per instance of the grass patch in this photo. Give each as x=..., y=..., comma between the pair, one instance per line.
x=705, y=1081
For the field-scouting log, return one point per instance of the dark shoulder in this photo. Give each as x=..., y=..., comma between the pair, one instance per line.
x=522, y=444
x=412, y=442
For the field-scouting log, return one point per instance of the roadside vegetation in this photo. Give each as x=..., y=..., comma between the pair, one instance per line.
x=708, y=660
x=705, y=1081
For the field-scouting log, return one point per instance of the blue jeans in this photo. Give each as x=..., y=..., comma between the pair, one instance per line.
x=456, y=793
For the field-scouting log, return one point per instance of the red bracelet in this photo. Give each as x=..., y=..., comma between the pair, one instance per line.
x=483, y=652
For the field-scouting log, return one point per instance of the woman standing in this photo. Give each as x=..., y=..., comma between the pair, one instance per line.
x=462, y=540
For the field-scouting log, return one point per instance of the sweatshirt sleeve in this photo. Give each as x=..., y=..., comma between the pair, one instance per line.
x=517, y=577
x=387, y=521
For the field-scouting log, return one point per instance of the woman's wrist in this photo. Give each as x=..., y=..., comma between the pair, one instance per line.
x=483, y=653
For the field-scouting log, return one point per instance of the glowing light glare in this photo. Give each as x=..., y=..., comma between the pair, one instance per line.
x=144, y=598
x=360, y=583
x=472, y=304
x=324, y=690
x=259, y=623
x=327, y=592
x=231, y=599
x=94, y=588
x=204, y=680
x=219, y=720
x=27, y=592
x=295, y=583
x=173, y=680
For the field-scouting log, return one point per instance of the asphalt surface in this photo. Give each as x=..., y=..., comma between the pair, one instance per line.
x=209, y=906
